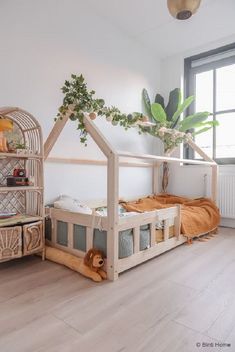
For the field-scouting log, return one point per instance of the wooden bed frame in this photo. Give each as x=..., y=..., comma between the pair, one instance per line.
x=113, y=224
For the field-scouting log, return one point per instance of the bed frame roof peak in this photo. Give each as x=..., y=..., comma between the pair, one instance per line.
x=108, y=149
x=113, y=156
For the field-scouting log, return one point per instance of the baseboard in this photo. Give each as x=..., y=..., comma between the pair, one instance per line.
x=227, y=222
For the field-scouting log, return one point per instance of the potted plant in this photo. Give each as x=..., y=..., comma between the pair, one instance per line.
x=168, y=126
x=21, y=148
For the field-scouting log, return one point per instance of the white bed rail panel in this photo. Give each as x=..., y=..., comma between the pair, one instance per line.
x=140, y=257
x=78, y=218
x=148, y=217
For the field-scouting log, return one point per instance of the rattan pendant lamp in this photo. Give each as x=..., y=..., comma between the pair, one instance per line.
x=183, y=9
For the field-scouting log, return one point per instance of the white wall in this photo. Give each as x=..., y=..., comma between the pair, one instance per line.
x=185, y=180
x=42, y=43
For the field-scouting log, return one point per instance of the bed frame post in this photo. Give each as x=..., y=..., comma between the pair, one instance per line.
x=112, y=233
x=177, y=222
x=112, y=196
x=155, y=176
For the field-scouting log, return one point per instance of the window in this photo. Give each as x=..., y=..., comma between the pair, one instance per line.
x=210, y=77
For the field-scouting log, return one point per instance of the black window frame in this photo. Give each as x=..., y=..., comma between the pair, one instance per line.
x=189, y=89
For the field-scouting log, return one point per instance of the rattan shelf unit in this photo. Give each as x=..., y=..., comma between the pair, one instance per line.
x=23, y=234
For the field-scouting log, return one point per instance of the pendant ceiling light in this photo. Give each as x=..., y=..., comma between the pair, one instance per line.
x=183, y=9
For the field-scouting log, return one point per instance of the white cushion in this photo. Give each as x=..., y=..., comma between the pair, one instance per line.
x=67, y=203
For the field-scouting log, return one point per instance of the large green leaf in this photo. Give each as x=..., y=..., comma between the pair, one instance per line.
x=147, y=103
x=209, y=123
x=207, y=126
x=175, y=118
x=212, y=123
x=202, y=130
x=158, y=112
x=160, y=100
x=173, y=103
x=193, y=121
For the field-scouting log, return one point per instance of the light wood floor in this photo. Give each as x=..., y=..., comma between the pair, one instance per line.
x=171, y=303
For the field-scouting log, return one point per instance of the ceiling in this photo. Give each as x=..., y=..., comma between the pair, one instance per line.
x=149, y=22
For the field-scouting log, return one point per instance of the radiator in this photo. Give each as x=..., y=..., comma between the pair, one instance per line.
x=226, y=193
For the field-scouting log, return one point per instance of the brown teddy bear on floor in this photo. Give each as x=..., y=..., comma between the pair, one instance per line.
x=91, y=266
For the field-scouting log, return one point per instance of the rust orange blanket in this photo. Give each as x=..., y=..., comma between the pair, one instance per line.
x=198, y=216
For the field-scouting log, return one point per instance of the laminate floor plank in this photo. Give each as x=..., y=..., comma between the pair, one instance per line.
x=224, y=326
x=173, y=337
x=147, y=307
x=39, y=301
x=208, y=265
x=168, y=304
x=211, y=303
x=39, y=335
x=30, y=280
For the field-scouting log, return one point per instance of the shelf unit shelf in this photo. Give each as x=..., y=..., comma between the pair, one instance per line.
x=23, y=233
x=20, y=188
x=19, y=156
x=19, y=220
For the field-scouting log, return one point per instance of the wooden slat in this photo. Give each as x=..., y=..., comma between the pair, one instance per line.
x=167, y=213
x=199, y=151
x=79, y=219
x=135, y=259
x=147, y=218
x=166, y=229
x=98, y=137
x=152, y=234
x=89, y=238
x=113, y=217
x=70, y=235
x=136, y=231
x=53, y=230
x=58, y=160
x=137, y=220
x=164, y=158
x=20, y=156
x=54, y=135
x=156, y=168
x=177, y=222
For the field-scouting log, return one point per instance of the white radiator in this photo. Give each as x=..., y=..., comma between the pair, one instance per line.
x=226, y=193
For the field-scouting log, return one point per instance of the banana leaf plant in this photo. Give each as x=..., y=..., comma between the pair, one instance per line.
x=167, y=119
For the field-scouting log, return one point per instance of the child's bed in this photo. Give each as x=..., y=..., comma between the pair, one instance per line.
x=140, y=236
x=126, y=240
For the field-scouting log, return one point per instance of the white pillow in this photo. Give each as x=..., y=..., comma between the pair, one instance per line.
x=67, y=203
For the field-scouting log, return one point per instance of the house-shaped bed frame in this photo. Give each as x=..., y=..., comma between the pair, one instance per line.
x=113, y=224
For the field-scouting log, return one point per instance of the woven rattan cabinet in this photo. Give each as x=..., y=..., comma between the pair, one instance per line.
x=23, y=233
